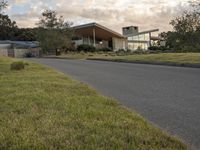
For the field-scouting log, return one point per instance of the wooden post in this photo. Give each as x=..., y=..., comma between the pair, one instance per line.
x=94, y=37
x=150, y=39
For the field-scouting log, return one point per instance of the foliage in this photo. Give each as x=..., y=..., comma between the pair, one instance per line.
x=7, y=27
x=28, y=55
x=19, y=65
x=52, y=41
x=10, y=31
x=105, y=49
x=3, y=5
x=154, y=48
x=86, y=48
x=25, y=34
x=186, y=35
x=178, y=58
x=50, y=20
x=54, y=34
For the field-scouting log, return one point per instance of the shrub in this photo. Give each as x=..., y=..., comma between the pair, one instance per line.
x=121, y=50
x=154, y=48
x=28, y=55
x=86, y=48
x=158, y=48
x=17, y=65
x=105, y=49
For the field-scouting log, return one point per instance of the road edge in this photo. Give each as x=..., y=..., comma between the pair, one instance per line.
x=146, y=62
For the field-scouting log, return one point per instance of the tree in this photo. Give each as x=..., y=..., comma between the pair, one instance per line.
x=3, y=5
x=54, y=33
x=187, y=29
x=25, y=34
x=7, y=26
x=9, y=29
x=171, y=39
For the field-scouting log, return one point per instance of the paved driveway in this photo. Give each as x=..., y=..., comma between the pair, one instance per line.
x=167, y=96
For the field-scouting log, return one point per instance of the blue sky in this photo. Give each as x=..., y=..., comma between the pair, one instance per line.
x=114, y=14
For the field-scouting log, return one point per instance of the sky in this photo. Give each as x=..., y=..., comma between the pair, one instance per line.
x=114, y=14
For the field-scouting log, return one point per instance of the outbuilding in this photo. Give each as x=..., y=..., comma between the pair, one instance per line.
x=19, y=48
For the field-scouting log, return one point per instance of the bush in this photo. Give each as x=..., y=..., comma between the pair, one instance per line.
x=158, y=48
x=154, y=48
x=17, y=65
x=105, y=49
x=86, y=48
x=28, y=55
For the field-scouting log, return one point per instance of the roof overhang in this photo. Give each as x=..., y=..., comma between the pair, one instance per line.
x=143, y=32
x=101, y=32
x=149, y=31
x=155, y=38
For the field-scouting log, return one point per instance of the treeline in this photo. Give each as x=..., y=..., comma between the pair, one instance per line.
x=19, y=34
x=53, y=32
x=10, y=31
x=186, y=34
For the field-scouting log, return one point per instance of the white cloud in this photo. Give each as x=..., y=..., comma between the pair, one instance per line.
x=112, y=13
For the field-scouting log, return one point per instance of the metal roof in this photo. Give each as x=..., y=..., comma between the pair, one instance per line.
x=4, y=45
x=24, y=44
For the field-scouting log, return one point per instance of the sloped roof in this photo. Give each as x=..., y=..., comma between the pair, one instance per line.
x=100, y=31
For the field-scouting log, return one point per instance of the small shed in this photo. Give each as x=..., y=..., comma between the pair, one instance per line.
x=19, y=49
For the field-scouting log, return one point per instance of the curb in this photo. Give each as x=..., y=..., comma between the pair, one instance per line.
x=149, y=63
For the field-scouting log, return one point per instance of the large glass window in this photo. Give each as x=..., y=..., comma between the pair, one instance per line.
x=135, y=38
x=141, y=37
x=130, y=38
x=137, y=46
x=146, y=36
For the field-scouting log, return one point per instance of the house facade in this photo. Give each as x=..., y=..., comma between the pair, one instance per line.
x=99, y=36
x=138, y=40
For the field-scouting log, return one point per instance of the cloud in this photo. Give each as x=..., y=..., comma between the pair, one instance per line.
x=112, y=13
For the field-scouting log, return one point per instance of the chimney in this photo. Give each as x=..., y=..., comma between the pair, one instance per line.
x=131, y=30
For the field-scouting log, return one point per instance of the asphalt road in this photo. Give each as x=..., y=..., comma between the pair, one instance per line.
x=167, y=96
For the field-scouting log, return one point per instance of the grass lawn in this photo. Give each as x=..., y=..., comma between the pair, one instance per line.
x=179, y=58
x=43, y=109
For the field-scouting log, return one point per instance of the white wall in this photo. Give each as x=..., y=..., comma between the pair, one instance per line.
x=4, y=49
x=119, y=44
x=19, y=53
x=3, y=52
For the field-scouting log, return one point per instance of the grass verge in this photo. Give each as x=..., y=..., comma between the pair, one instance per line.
x=43, y=109
x=177, y=58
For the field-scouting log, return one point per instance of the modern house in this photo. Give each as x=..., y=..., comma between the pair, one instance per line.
x=138, y=40
x=99, y=36
x=19, y=48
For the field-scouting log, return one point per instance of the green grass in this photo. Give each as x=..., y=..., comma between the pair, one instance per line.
x=43, y=109
x=178, y=58
x=82, y=55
